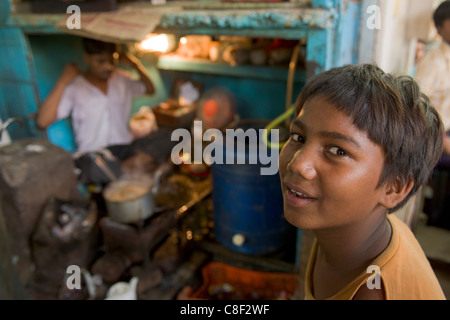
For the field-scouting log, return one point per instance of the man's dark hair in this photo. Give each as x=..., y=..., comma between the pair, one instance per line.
x=441, y=13
x=393, y=112
x=92, y=46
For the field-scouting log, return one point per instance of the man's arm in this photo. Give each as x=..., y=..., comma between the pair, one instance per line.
x=48, y=109
x=134, y=62
x=446, y=145
x=426, y=75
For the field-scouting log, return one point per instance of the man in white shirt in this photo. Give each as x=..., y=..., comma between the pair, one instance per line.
x=433, y=70
x=99, y=99
x=433, y=76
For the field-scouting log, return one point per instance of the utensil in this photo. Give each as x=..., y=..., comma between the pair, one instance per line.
x=123, y=290
x=130, y=199
x=103, y=166
x=5, y=125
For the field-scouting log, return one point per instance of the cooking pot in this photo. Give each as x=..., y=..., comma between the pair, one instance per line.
x=130, y=199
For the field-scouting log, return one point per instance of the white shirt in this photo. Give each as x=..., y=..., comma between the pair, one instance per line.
x=433, y=76
x=100, y=120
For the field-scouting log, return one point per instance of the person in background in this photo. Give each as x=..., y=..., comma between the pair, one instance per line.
x=99, y=99
x=433, y=71
x=362, y=142
x=421, y=49
x=433, y=76
x=98, y=102
x=421, y=46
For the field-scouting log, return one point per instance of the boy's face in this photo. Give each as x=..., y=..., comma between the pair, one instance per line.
x=102, y=64
x=329, y=169
x=444, y=31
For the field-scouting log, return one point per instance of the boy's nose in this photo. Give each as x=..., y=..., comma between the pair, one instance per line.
x=303, y=164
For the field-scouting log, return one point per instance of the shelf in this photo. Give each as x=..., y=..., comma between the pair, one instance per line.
x=170, y=62
x=282, y=20
x=36, y=23
x=289, y=23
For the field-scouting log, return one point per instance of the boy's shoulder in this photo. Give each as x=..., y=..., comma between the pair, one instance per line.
x=404, y=268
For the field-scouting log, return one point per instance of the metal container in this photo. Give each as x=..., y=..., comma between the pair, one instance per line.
x=129, y=200
x=248, y=206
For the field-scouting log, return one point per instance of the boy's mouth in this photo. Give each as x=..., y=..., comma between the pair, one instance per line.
x=297, y=191
x=298, y=194
x=297, y=197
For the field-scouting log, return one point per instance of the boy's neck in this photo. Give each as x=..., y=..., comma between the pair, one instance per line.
x=355, y=244
x=346, y=252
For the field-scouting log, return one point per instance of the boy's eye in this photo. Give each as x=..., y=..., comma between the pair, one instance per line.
x=297, y=138
x=337, y=151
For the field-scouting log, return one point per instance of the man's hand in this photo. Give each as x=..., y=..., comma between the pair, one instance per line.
x=130, y=60
x=69, y=73
x=446, y=145
x=48, y=109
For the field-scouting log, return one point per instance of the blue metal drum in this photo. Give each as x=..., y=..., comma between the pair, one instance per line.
x=248, y=206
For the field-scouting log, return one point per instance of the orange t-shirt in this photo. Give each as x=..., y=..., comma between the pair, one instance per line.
x=403, y=268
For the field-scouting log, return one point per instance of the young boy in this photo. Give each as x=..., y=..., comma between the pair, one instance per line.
x=99, y=99
x=362, y=142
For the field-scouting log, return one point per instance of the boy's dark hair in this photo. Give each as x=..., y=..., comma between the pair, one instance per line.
x=92, y=46
x=441, y=13
x=393, y=111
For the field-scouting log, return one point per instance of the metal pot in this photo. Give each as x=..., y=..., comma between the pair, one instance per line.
x=131, y=199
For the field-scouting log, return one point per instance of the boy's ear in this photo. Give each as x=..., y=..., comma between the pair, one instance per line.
x=396, y=191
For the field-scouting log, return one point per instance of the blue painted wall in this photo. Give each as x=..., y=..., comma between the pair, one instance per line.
x=51, y=53
x=17, y=82
x=30, y=64
x=256, y=98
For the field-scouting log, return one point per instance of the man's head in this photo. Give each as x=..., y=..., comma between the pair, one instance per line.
x=441, y=19
x=100, y=57
x=392, y=112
